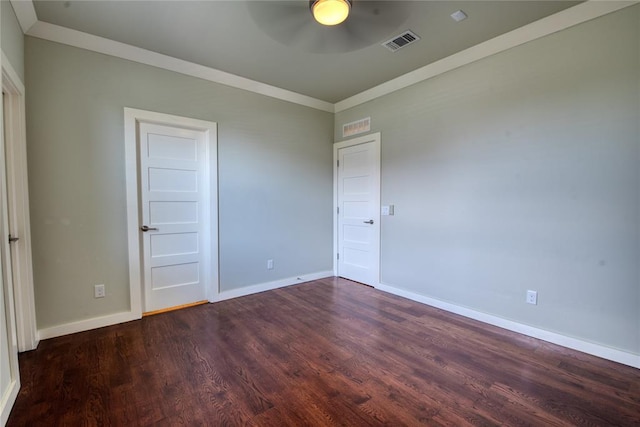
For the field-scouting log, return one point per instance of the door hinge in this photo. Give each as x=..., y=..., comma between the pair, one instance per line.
x=338, y=163
x=338, y=210
x=338, y=255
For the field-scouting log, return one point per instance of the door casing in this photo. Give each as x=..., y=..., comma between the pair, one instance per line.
x=11, y=382
x=132, y=117
x=18, y=206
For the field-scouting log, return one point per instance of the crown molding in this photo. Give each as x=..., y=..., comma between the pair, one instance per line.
x=567, y=18
x=26, y=13
x=109, y=47
x=575, y=15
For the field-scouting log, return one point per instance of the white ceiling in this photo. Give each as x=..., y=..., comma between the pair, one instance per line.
x=278, y=43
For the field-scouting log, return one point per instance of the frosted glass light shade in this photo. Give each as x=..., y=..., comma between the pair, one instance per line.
x=330, y=12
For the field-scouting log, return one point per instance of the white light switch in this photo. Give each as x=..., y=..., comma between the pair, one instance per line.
x=386, y=210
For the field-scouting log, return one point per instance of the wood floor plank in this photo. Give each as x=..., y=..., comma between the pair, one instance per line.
x=323, y=353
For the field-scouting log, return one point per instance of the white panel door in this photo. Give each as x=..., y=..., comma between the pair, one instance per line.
x=174, y=192
x=358, y=197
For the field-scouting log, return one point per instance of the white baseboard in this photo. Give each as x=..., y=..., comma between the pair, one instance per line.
x=86, y=325
x=261, y=287
x=7, y=401
x=127, y=316
x=602, y=351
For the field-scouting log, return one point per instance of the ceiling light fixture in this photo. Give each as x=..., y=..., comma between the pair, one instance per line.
x=330, y=12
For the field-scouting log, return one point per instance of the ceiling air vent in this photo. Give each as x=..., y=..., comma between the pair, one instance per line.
x=401, y=40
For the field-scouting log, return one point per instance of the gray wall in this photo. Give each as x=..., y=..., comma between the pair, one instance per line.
x=275, y=177
x=521, y=171
x=12, y=38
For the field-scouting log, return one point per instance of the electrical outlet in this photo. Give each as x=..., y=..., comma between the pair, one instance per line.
x=98, y=291
x=532, y=297
x=269, y=264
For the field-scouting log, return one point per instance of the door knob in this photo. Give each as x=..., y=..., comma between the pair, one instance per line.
x=368, y=222
x=147, y=228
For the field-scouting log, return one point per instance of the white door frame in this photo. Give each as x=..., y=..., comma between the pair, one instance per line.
x=9, y=391
x=375, y=138
x=18, y=206
x=131, y=119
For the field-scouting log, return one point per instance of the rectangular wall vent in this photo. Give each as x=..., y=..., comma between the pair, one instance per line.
x=354, y=128
x=401, y=40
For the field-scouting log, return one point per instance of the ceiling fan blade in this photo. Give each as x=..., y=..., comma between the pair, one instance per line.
x=279, y=16
x=291, y=23
x=376, y=20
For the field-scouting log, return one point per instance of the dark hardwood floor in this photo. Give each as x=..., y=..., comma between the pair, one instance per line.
x=329, y=352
